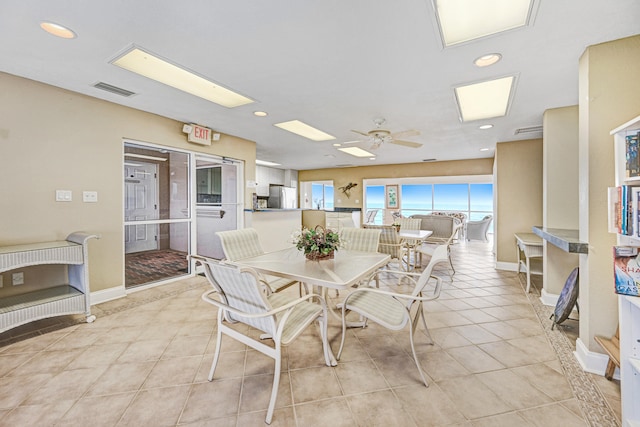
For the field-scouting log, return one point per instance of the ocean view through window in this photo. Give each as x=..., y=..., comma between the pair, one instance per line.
x=473, y=199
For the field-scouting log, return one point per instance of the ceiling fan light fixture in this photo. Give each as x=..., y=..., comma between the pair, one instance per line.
x=485, y=127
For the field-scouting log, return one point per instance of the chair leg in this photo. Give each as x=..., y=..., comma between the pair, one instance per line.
x=329, y=358
x=450, y=262
x=276, y=383
x=216, y=355
x=344, y=330
x=413, y=350
x=424, y=323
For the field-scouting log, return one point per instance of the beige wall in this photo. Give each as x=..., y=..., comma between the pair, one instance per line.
x=518, y=193
x=52, y=139
x=609, y=90
x=560, y=191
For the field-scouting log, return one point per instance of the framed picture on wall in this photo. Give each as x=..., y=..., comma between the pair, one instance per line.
x=391, y=197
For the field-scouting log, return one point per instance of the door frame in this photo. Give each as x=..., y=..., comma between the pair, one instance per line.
x=191, y=217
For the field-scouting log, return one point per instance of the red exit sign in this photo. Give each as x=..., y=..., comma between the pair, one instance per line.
x=200, y=135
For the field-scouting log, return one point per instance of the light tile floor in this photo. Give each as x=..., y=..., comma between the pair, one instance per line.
x=145, y=360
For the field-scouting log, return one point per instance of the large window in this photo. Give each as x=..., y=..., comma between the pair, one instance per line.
x=473, y=199
x=322, y=195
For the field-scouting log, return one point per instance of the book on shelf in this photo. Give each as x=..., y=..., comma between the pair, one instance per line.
x=626, y=270
x=624, y=210
x=632, y=156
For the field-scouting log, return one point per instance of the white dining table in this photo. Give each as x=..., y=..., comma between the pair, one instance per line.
x=345, y=269
x=413, y=238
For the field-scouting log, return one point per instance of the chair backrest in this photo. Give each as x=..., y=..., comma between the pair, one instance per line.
x=370, y=216
x=440, y=255
x=390, y=241
x=239, y=244
x=241, y=288
x=409, y=223
x=442, y=226
x=360, y=239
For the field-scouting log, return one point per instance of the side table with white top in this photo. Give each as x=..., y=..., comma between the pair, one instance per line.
x=529, y=245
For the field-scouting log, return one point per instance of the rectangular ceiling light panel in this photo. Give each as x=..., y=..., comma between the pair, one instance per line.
x=303, y=129
x=155, y=68
x=464, y=20
x=355, y=151
x=484, y=100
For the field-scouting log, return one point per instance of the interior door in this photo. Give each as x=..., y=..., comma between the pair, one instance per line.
x=141, y=204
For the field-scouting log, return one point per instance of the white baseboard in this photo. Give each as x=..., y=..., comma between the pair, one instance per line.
x=507, y=266
x=591, y=361
x=105, y=295
x=548, y=299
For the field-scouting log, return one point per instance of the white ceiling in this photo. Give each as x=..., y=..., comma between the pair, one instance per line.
x=334, y=64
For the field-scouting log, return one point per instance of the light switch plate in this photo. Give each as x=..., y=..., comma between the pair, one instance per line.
x=90, y=196
x=63, y=195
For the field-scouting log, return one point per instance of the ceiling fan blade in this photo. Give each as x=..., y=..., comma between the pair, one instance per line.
x=406, y=133
x=361, y=133
x=406, y=143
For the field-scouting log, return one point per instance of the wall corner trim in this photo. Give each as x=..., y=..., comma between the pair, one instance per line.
x=590, y=361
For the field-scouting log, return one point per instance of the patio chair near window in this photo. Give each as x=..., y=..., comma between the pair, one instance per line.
x=241, y=298
x=390, y=242
x=370, y=216
x=245, y=243
x=395, y=310
x=477, y=230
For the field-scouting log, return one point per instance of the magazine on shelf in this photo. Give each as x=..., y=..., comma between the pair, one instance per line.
x=624, y=210
x=626, y=270
x=635, y=211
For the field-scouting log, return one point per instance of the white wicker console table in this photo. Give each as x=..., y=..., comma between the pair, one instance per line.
x=71, y=298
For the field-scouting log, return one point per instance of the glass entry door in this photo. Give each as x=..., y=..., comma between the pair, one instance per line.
x=157, y=214
x=218, y=202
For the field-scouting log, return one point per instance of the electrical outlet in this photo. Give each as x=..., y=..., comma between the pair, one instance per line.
x=90, y=196
x=17, y=279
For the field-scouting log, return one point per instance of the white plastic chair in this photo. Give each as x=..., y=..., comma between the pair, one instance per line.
x=477, y=230
x=244, y=243
x=360, y=239
x=394, y=310
x=390, y=242
x=243, y=299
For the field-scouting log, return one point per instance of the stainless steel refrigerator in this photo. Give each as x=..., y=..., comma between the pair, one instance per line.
x=281, y=197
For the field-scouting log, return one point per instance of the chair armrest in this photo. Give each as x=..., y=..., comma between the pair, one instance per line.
x=397, y=295
x=205, y=297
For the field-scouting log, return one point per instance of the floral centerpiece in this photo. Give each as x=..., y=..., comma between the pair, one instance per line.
x=317, y=243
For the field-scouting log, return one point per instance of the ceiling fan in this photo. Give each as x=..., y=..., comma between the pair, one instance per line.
x=378, y=136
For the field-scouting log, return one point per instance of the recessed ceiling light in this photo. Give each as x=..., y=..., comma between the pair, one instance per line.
x=58, y=30
x=484, y=100
x=140, y=62
x=464, y=20
x=266, y=163
x=484, y=149
x=337, y=144
x=303, y=129
x=260, y=113
x=355, y=151
x=372, y=158
x=483, y=127
x=486, y=60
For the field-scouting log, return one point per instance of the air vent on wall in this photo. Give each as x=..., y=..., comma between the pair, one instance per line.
x=428, y=160
x=344, y=165
x=113, y=89
x=530, y=129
